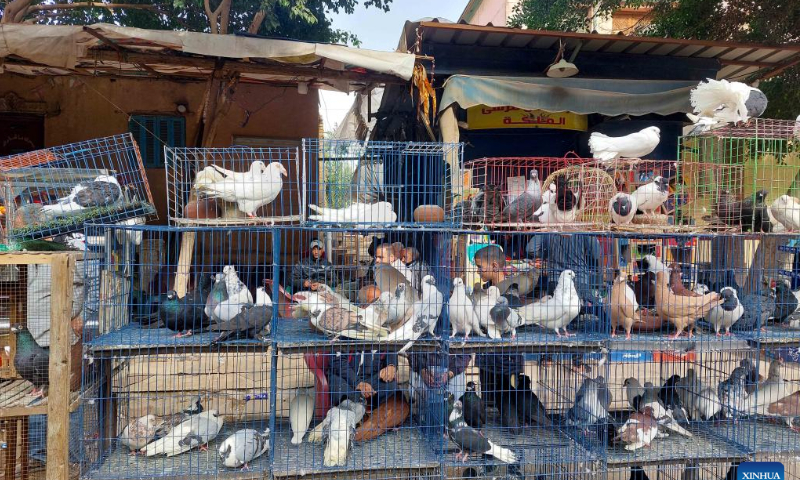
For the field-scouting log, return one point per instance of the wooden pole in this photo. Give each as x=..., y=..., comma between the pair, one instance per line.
x=63, y=268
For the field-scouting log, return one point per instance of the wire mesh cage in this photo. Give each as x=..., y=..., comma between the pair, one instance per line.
x=383, y=183
x=54, y=191
x=234, y=185
x=742, y=177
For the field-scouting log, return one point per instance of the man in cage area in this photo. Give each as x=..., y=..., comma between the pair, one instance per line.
x=309, y=272
x=372, y=375
x=434, y=371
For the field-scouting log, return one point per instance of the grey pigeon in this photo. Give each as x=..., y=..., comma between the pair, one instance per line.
x=193, y=432
x=590, y=411
x=243, y=447
x=101, y=192
x=701, y=402
x=249, y=323
x=31, y=361
x=751, y=376
x=400, y=305
x=522, y=208
x=505, y=319
x=426, y=314
x=338, y=428
x=732, y=392
x=633, y=392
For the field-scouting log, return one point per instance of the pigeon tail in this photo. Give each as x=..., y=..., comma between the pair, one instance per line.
x=501, y=453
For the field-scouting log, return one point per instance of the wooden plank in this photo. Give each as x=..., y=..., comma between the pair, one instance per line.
x=11, y=450
x=34, y=258
x=58, y=394
x=184, y=263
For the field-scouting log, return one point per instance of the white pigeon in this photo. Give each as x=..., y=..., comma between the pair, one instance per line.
x=771, y=390
x=461, y=311
x=558, y=311
x=786, y=211
x=301, y=412
x=483, y=307
x=242, y=447
x=129, y=235
x=726, y=102
x=380, y=212
x=426, y=314
x=634, y=145
x=195, y=431
x=250, y=190
x=796, y=129
x=238, y=296
x=622, y=208
x=208, y=176
x=654, y=265
x=543, y=214
x=701, y=289
x=652, y=195
x=103, y=191
x=726, y=314
x=338, y=429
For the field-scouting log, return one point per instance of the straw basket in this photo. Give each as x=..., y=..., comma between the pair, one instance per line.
x=597, y=188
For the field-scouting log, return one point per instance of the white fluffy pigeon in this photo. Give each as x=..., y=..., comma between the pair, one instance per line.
x=726, y=314
x=380, y=212
x=771, y=390
x=238, y=296
x=652, y=195
x=543, y=214
x=558, y=311
x=426, y=314
x=634, y=145
x=338, y=428
x=301, y=411
x=195, y=431
x=250, y=190
x=242, y=447
x=786, y=211
x=103, y=191
x=461, y=311
x=719, y=102
x=483, y=307
x=622, y=208
x=522, y=208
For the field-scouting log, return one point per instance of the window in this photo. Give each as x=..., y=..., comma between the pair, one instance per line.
x=153, y=133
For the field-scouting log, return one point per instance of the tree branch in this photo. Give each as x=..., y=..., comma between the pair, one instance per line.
x=258, y=20
x=225, y=9
x=212, y=16
x=13, y=9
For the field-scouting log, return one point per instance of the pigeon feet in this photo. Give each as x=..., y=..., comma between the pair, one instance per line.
x=627, y=335
x=728, y=333
x=187, y=333
x=246, y=468
x=37, y=392
x=204, y=448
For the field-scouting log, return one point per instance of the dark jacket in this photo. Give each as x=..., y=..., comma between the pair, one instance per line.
x=503, y=364
x=320, y=271
x=455, y=363
x=351, y=368
x=580, y=253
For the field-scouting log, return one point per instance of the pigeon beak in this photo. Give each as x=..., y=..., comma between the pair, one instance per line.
x=283, y=171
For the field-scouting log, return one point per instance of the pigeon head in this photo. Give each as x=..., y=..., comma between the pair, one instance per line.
x=502, y=302
x=701, y=289
x=622, y=205
x=621, y=278
x=655, y=130
x=428, y=279
x=756, y=103
x=630, y=382
x=648, y=410
x=400, y=290
x=493, y=292
x=257, y=167
x=761, y=195
x=471, y=386
x=228, y=269
x=458, y=282
x=566, y=275
x=524, y=381
x=534, y=175
x=662, y=183
x=276, y=168
x=727, y=293
x=172, y=295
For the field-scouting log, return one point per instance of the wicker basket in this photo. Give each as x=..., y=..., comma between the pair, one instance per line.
x=597, y=188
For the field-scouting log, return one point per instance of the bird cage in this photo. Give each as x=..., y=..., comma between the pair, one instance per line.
x=54, y=191
x=725, y=169
x=234, y=185
x=383, y=184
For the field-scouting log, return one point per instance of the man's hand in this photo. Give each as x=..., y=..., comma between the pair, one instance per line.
x=314, y=286
x=538, y=263
x=433, y=380
x=307, y=284
x=388, y=373
x=365, y=389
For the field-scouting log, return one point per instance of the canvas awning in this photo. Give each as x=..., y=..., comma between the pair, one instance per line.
x=578, y=95
x=111, y=49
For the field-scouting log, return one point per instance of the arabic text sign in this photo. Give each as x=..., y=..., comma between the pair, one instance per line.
x=482, y=118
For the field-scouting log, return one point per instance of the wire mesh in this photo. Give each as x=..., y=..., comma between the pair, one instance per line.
x=55, y=191
x=383, y=183
x=234, y=185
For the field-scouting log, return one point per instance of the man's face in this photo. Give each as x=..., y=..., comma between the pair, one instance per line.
x=486, y=270
x=384, y=256
x=409, y=256
x=317, y=252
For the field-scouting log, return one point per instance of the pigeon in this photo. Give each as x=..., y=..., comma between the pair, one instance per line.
x=701, y=402
x=590, y=410
x=129, y=235
x=716, y=102
x=242, y=447
x=504, y=318
x=474, y=408
x=509, y=416
x=787, y=302
x=249, y=322
x=751, y=375
x=483, y=307
x=31, y=361
x=238, y=297
x=623, y=306
x=634, y=392
x=650, y=196
x=251, y=190
x=523, y=207
x=651, y=263
x=103, y=191
x=529, y=408
x=387, y=278
x=622, y=208
x=644, y=287
x=748, y=214
x=425, y=316
x=567, y=203
x=143, y=430
x=217, y=295
x=773, y=389
x=195, y=431
x=639, y=430
x=469, y=440
x=701, y=289
x=362, y=213
x=668, y=394
x=682, y=312
x=208, y=176
x=543, y=214
x=401, y=305
x=726, y=314
x=461, y=311
x=786, y=211
x=338, y=428
x=634, y=145
x=186, y=315
x=559, y=310
x=676, y=283
x=638, y=473
x=301, y=411
x=648, y=397
x=732, y=393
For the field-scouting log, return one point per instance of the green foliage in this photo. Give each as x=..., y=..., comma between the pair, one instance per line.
x=75, y=220
x=338, y=178
x=564, y=15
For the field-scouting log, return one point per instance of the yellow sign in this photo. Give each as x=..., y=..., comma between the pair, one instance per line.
x=482, y=118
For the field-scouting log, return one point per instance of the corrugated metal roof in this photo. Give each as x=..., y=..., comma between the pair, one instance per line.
x=738, y=60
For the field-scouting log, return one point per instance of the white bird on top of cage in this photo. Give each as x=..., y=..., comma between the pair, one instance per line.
x=652, y=195
x=718, y=102
x=380, y=212
x=634, y=145
x=100, y=192
x=250, y=190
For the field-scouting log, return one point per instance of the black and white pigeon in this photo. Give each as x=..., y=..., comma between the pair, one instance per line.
x=103, y=191
x=474, y=408
x=666, y=421
x=242, y=447
x=522, y=208
x=732, y=393
x=143, y=430
x=505, y=319
x=249, y=323
x=567, y=203
x=668, y=394
x=425, y=317
x=622, y=208
x=469, y=440
x=195, y=431
x=725, y=315
x=720, y=102
x=650, y=196
x=751, y=213
x=530, y=409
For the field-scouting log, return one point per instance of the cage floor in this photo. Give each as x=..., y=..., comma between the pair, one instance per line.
x=233, y=221
x=584, y=331
x=120, y=464
x=659, y=341
x=774, y=437
x=777, y=334
x=289, y=332
x=704, y=445
x=133, y=336
x=16, y=400
x=74, y=223
x=403, y=448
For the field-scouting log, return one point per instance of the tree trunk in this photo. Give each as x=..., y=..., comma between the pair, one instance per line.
x=258, y=19
x=15, y=11
x=224, y=20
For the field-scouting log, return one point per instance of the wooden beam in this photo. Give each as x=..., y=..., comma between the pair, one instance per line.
x=121, y=51
x=63, y=269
